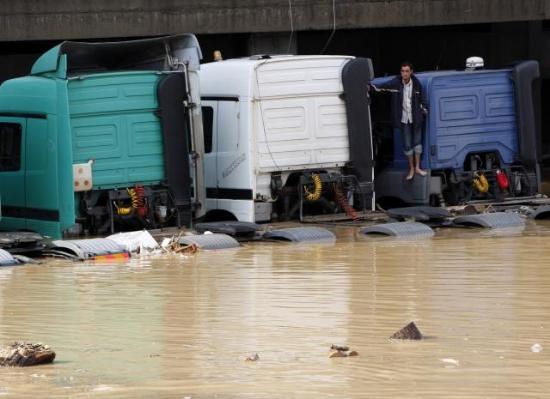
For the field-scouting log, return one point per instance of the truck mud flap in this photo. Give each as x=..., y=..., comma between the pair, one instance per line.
x=7, y=259
x=419, y=213
x=542, y=212
x=86, y=249
x=232, y=228
x=497, y=220
x=356, y=75
x=399, y=229
x=210, y=241
x=301, y=234
x=173, y=114
x=526, y=77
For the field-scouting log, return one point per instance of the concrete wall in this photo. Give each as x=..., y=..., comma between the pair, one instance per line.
x=70, y=19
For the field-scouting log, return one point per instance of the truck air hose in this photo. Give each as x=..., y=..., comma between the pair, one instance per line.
x=318, y=189
x=137, y=196
x=134, y=197
x=342, y=201
x=480, y=183
x=122, y=210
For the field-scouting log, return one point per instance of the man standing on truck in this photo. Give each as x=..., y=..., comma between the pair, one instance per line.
x=408, y=109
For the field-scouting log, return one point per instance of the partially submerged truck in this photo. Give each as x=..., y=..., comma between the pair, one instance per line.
x=287, y=137
x=103, y=136
x=481, y=139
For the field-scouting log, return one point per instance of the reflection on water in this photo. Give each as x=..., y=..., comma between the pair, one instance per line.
x=177, y=327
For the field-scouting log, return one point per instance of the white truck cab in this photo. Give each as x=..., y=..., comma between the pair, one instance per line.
x=271, y=125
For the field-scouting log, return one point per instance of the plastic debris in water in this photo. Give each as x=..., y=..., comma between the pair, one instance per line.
x=410, y=331
x=536, y=348
x=451, y=362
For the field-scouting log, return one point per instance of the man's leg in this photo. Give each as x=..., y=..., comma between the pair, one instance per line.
x=407, y=130
x=417, y=144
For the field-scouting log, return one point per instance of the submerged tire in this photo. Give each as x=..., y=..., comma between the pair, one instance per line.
x=497, y=220
x=210, y=241
x=542, y=212
x=301, y=234
x=88, y=248
x=399, y=229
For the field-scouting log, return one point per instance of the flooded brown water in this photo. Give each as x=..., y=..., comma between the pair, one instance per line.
x=182, y=327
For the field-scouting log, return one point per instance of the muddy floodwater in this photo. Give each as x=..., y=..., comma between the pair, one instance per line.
x=182, y=327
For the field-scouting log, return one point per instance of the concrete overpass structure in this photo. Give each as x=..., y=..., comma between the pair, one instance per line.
x=77, y=19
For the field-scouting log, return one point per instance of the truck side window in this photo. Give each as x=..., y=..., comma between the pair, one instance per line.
x=207, y=125
x=10, y=147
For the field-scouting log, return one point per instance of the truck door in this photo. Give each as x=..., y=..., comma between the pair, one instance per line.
x=229, y=155
x=210, y=128
x=12, y=173
x=41, y=179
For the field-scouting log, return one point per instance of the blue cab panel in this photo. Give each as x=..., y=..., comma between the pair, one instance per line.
x=469, y=112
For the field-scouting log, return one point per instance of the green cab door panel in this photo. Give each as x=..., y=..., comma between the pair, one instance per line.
x=12, y=173
x=41, y=179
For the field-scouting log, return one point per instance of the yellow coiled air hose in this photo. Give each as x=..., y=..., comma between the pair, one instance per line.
x=317, y=189
x=480, y=183
x=127, y=210
x=134, y=197
x=122, y=210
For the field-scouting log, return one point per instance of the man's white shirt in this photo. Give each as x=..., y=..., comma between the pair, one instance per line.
x=407, y=102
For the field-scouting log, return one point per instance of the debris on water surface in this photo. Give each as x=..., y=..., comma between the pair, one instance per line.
x=253, y=358
x=341, y=351
x=451, y=362
x=536, y=348
x=21, y=354
x=410, y=331
x=172, y=245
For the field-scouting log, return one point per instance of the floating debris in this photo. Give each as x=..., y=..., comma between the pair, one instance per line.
x=536, y=348
x=253, y=358
x=410, y=331
x=450, y=362
x=173, y=245
x=20, y=354
x=341, y=351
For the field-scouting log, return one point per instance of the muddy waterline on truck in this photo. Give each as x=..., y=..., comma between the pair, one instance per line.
x=183, y=327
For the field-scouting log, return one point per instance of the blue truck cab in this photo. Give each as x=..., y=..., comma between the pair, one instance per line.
x=101, y=136
x=480, y=138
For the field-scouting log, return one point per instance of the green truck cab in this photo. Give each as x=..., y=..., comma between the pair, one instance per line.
x=103, y=136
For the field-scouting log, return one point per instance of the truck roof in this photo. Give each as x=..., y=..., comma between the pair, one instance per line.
x=243, y=77
x=144, y=54
x=428, y=76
